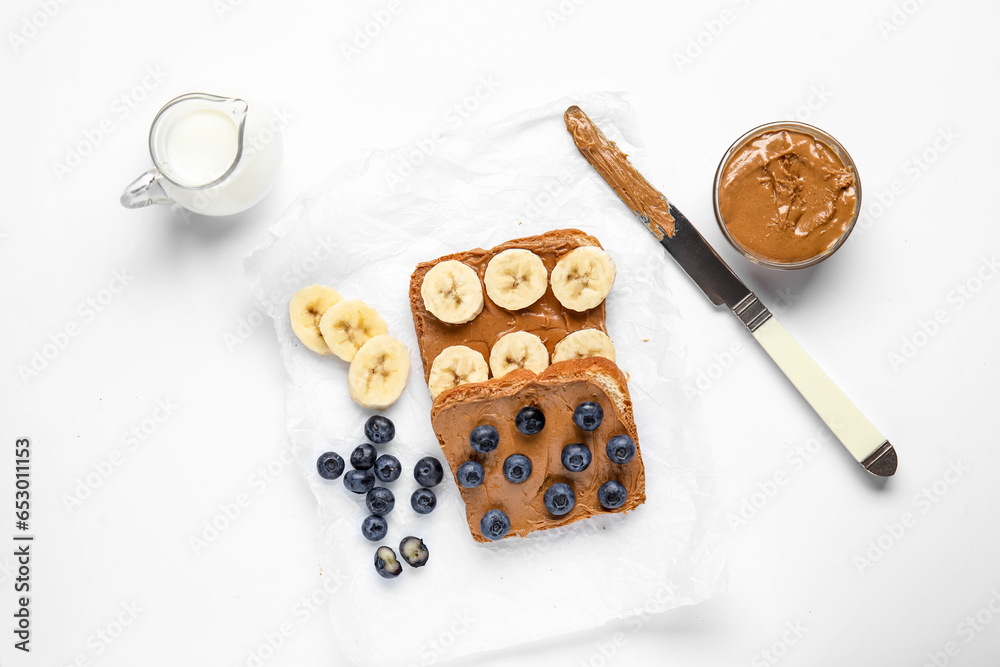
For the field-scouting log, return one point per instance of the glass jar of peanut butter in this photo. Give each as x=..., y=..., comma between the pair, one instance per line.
x=787, y=195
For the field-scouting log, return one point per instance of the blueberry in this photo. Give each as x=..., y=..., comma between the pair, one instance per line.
x=517, y=468
x=529, y=421
x=470, y=474
x=494, y=525
x=423, y=501
x=588, y=415
x=559, y=499
x=414, y=551
x=374, y=528
x=359, y=481
x=387, y=468
x=329, y=465
x=379, y=429
x=363, y=456
x=621, y=449
x=484, y=439
x=380, y=501
x=386, y=564
x=575, y=457
x=611, y=495
x=428, y=471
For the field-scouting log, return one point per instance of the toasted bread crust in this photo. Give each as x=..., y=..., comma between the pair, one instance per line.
x=604, y=371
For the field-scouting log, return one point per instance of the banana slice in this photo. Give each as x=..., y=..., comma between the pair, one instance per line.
x=378, y=373
x=519, y=349
x=583, y=277
x=456, y=365
x=516, y=278
x=348, y=325
x=452, y=292
x=306, y=309
x=584, y=343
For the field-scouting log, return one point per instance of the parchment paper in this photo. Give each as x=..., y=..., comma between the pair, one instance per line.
x=362, y=232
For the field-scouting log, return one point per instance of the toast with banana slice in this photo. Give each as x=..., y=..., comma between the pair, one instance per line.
x=523, y=304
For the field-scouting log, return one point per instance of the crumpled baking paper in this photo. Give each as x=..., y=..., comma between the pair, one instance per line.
x=362, y=232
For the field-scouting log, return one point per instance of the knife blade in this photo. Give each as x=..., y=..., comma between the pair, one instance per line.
x=706, y=268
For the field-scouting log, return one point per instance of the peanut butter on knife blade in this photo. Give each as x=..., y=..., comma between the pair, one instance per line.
x=612, y=164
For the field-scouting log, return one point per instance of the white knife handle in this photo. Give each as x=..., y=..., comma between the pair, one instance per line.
x=862, y=439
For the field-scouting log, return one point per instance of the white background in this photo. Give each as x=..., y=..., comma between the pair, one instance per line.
x=868, y=574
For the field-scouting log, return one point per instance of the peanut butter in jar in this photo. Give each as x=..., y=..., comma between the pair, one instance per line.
x=787, y=195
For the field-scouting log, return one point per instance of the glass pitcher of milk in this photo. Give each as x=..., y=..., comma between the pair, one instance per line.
x=212, y=155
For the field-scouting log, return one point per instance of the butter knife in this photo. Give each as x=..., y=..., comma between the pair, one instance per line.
x=690, y=249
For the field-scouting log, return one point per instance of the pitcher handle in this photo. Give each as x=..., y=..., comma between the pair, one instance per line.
x=144, y=191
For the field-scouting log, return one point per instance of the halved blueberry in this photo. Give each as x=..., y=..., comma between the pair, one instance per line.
x=588, y=415
x=494, y=525
x=611, y=495
x=363, y=456
x=470, y=474
x=559, y=499
x=428, y=471
x=576, y=457
x=517, y=468
x=621, y=449
x=530, y=420
x=380, y=501
x=359, y=481
x=484, y=439
x=330, y=465
x=386, y=564
x=423, y=501
x=374, y=528
x=414, y=551
x=387, y=468
x=379, y=429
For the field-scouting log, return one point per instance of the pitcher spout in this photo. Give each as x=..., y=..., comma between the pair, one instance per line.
x=237, y=109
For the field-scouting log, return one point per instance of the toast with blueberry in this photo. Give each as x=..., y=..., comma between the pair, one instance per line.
x=534, y=451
